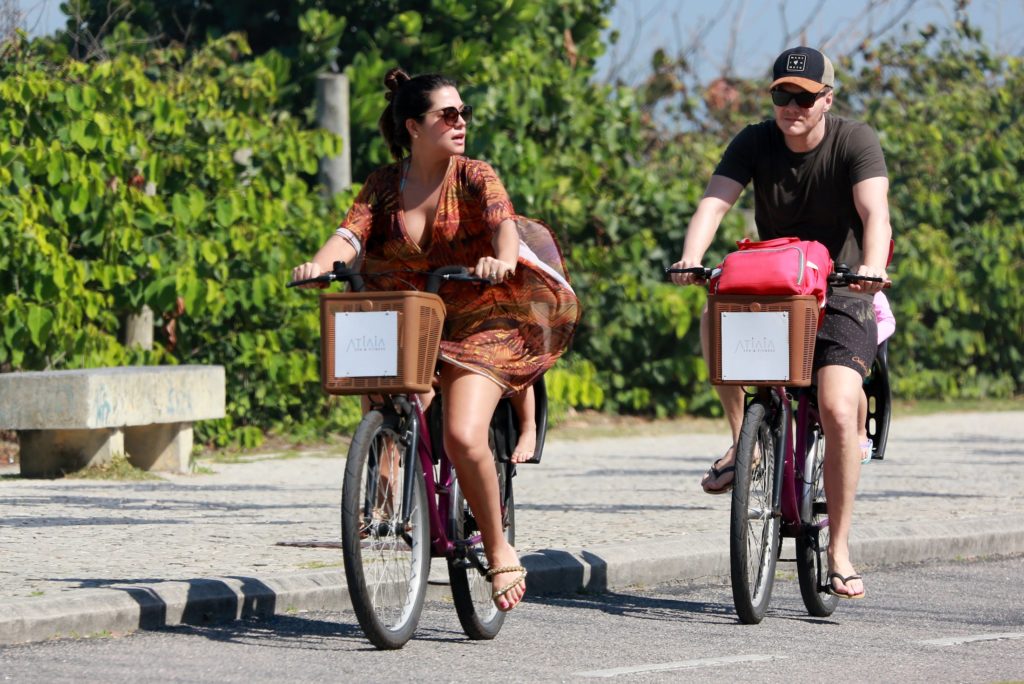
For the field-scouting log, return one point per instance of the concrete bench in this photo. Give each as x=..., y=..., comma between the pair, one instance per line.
x=70, y=419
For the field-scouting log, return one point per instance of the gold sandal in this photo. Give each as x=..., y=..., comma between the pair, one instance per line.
x=495, y=595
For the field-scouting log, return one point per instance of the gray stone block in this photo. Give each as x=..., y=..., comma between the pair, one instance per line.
x=68, y=420
x=110, y=397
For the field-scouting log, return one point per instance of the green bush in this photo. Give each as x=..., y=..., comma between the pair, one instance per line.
x=186, y=174
x=169, y=182
x=949, y=112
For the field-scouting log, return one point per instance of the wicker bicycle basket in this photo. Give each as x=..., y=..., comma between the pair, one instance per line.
x=393, y=350
x=755, y=349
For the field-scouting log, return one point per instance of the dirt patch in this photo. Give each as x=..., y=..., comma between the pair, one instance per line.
x=8, y=447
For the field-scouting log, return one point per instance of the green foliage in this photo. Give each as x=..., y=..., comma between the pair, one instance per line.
x=184, y=172
x=172, y=183
x=573, y=383
x=949, y=115
x=645, y=333
x=581, y=156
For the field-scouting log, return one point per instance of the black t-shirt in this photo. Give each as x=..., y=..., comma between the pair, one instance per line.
x=808, y=195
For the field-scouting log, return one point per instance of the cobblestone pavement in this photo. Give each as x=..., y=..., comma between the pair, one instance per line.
x=57, y=536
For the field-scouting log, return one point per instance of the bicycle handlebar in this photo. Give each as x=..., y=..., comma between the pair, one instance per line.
x=841, y=277
x=341, y=272
x=699, y=271
x=448, y=273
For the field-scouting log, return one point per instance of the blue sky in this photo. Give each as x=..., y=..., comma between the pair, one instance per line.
x=41, y=16
x=760, y=27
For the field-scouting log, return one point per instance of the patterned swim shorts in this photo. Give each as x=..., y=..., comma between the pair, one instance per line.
x=848, y=336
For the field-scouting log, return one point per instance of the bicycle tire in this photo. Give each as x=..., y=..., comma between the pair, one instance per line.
x=812, y=542
x=754, y=528
x=471, y=590
x=386, y=565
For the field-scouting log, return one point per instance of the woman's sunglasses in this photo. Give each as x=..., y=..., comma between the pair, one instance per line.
x=450, y=115
x=804, y=99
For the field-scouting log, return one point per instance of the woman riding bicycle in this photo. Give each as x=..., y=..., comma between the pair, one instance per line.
x=435, y=207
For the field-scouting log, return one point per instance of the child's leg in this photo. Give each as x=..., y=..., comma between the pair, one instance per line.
x=862, y=417
x=866, y=446
x=525, y=406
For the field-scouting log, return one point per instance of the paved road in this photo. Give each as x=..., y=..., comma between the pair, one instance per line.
x=85, y=556
x=939, y=622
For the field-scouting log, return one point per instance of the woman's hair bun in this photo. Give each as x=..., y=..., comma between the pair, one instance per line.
x=394, y=79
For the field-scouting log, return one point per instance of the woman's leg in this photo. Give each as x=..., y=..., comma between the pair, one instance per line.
x=525, y=405
x=469, y=403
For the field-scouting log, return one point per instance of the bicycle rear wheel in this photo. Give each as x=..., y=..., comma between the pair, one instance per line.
x=879, y=394
x=812, y=543
x=471, y=590
x=754, y=528
x=386, y=546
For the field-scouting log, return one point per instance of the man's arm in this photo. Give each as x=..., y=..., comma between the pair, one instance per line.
x=721, y=194
x=871, y=197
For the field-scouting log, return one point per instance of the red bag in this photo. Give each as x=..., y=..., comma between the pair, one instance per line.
x=784, y=266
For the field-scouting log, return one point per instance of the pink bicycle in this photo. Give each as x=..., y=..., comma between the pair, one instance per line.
x=778, y=491
x=401, y=503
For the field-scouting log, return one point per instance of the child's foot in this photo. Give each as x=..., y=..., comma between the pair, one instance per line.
x=508, y=579
x=867, y=447
x=526, y=445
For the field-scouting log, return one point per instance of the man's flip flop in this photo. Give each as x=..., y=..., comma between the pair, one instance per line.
x=844, y=580
x=715, y=473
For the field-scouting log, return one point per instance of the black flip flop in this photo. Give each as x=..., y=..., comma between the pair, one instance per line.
x=716, y=473
x=844, y=580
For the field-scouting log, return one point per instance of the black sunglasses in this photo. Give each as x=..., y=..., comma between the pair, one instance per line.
x=804, y=99
x=450, y=115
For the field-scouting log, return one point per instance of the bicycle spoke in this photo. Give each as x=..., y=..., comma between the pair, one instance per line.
x=812, y=545
x=386, y=558
x=754, y=523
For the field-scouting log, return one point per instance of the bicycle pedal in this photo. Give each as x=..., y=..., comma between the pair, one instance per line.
x=820, y=507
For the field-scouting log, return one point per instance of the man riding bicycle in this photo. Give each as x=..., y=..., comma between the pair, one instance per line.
x=817, y=177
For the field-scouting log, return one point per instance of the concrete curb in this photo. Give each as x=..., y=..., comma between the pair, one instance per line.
x=691, y=558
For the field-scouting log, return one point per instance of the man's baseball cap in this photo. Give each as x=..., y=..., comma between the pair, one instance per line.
x=804, y=67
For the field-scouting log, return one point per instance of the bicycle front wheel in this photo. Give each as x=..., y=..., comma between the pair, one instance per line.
x=754, y=527
x=812, y=543
x=386, y=545
x=471, y=590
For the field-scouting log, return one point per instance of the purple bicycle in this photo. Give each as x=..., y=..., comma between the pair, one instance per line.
x=778, y=490
x=401, y=503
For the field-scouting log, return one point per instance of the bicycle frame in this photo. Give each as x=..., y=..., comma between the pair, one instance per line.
x=795, y=506
x=790, y=452
x=434, y=520
x=416, y=440
x=439, y=482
